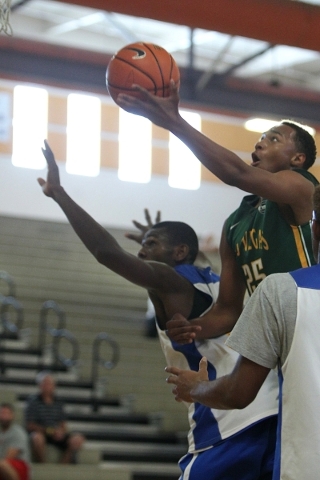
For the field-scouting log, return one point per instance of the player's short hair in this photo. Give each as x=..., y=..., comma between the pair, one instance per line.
x=304, y=141
x=316, y=202
x=180, y=233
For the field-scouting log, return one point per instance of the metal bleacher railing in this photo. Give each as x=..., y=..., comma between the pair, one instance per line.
x=12, y=322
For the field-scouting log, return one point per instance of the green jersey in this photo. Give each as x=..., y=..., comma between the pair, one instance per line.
x=264, y=242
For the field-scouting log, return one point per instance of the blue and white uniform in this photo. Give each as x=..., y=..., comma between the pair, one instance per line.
x=209, y=427
x=298, y=447
x=280, y=326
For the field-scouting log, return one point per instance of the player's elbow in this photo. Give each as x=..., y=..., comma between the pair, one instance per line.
x=242, y=403
x=102, y=256
x=240, y=397
x=243, y=399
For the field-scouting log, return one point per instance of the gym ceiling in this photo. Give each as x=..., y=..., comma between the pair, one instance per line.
x=273, y=22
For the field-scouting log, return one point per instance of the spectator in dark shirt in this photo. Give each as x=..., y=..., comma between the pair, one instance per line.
x=46, y=422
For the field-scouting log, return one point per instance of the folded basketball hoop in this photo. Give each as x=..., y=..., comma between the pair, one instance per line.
x=5, y=26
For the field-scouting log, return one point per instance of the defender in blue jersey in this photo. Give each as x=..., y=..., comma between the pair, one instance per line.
x=220, y=443
x=279, y=326
x=273, y=176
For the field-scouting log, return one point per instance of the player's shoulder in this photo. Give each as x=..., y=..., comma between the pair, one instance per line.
x=275, y=283
x=306, y=174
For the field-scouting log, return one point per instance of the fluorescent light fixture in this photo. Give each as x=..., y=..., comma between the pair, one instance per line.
x=83, y=135
x=263, y=125
x=30, y=124
x=184, y=167
x=135, y=144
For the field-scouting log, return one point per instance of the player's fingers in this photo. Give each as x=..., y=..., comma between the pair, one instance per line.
x=131, y=236
x=143, y=91
x=182, y=339
x=176, y=395
x=174, y=372
x=47, y=152
x=41, y=181
x=139, y=225
x=182, y=331
x=177, y=323
x=203, y=365
x=158, y=217
x=178, y=317
x=173, y=88
x=128, y=102
x=147, y=217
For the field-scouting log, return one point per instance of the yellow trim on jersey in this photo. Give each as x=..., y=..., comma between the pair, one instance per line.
x=301, y=246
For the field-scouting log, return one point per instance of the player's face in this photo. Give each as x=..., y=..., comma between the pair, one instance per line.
x=155, y=246
x=275, y=149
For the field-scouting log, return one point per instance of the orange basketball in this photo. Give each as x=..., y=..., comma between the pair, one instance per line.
x=144, y=64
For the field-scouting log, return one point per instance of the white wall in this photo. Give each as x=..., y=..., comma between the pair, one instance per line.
x=115, y=203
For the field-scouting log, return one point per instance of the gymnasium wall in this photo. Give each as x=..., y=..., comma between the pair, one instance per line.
x=109, y=200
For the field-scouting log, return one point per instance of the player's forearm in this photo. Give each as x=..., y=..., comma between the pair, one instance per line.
x=220, y=161
x=217, y=322
x=217, y=394
x=90, y=232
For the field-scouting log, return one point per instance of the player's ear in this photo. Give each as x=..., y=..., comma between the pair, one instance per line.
x=298, y=160
x=181, y=252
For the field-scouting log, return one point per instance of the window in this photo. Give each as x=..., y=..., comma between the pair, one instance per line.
x=30, y=124
x=184, y=167
x=134, y=148
x=83, y=135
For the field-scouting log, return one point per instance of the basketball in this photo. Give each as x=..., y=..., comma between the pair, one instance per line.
x=144, y=64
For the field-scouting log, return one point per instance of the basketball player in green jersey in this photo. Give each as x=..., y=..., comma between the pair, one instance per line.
x=270, y=232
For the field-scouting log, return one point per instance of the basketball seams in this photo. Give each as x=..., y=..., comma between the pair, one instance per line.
x=152, y=68
x=135, y=68
x=159, y=66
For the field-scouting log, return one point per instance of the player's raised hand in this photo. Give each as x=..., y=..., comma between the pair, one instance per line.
x=180, y=330
x=159, y=110
x=53, y=177
x=186, y=380
x=137, y=237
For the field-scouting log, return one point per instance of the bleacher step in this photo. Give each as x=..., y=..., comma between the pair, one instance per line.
x=38, y=366
x=22, y=351
x=78, y=472
x=24, y=380
x=142, y=452
x=157, y=438
x=116, y=417
x=78, y=400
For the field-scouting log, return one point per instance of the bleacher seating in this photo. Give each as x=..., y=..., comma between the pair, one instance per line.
x=134, y=428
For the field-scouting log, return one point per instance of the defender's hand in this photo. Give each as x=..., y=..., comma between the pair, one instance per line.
x=53, y=177
x=138, y=237
x=180, y=330
x=186, y=380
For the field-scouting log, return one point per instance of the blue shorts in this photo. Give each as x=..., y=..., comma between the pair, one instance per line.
x=247, y=455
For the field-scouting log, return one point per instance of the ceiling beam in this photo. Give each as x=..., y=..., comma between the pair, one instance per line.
x=282, y=22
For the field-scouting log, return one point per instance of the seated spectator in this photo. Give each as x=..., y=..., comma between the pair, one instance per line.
x=14, y=447
x=46, y=422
